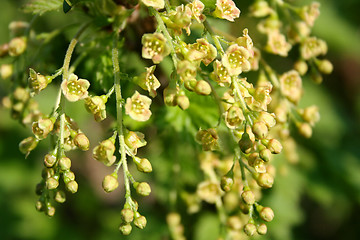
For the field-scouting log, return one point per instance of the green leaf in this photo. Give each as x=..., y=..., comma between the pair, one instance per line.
x=66, y=6
x=42, y=6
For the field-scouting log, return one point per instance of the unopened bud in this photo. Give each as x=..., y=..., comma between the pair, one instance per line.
x=305, y=130
x=183, y=102
x=274, y=146
x=262, y=229
x=245, y=143
x=52, y=183
x=17, y=46
x=140, y=221
x=142, y=188
x=267, y=118
x=110, y=183
x=6, y=70
x=301, y=67
x=72, y=186
x=125, y=229
x=68, y=176
x=267, y=214
x=143, y=164
x=226, y=183
x=260, y=129
x=49, y=160
x=202, y=88
x=60, y=197
x=39, y=206
x=50, y=211
x=82, y=142
x=127, y=215
x=325, y=66
x=64, y=163
x=248, y=197
x=265, y=180
x=250, y=229
x=170, y=96
x=265, y=154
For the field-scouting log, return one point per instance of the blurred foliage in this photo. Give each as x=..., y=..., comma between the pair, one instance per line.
x=317, y=198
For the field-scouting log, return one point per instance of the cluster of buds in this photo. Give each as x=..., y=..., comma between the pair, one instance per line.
x=55, y=168
x=173, y=220
x=130, y=214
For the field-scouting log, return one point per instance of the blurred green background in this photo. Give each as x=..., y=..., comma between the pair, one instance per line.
x=318, y=198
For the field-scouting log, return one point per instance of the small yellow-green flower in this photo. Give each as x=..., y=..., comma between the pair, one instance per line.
x=75, y=89
x=220, y=74
x=138, y=107
x=310, y=13
x=277, y=44
x=201, y=50
x=96, y=105
x=104, y=152
x=291, y=85
x=236, y=60
x=197, y=7
x=154, y=47
x=179, y=19
x=148, y=81
x=226, y=9
x=312, y=47
x=42, y=127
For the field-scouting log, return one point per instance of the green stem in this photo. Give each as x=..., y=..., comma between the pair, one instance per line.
x=241, y=100
x=214, y=37
x=119, y=116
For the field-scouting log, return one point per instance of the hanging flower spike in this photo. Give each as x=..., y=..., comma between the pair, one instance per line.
x=137, y=107
x=148, y=81
x=226, y=9
x=236, y=60
x=75, y=89
x=197, y=7
x=154, y=47
x=157, y=4
x=291, y=85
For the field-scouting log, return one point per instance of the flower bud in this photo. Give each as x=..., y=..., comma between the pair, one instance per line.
x=28, y=144
x=68, y=176
x=260, y=9
x=64, y=163
x=234, y=222
x=265, y=154
x=72, y=186
x=311, y=115
x=110, y=183
x=234, y=117
x=47, y=172
x=250, y=229
x=202, y=88
x=39, y=188
x=142, y=188
x=39, y=206
x=60, y=197
x=49, y=160
x=143, y=164
x=274, y=146
x=50, y=211
x=127, y=215
x=226, y=183
x=170, y=96
x=291, y=85
x=190, y=84
x=183, y=102
x=266, y=214
x=6, y=70
x=262, y=229
x=52, y=183
x=82, y=142
x=4, y=49
x=17, y=46
x=248, y=197
x=325, y=66
x=140, y=221
x=260, y=130
x=245, y=143
x=267, y=118
x=301, y=67
x=265, y=180
x=305, y=129
x=125, y=229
